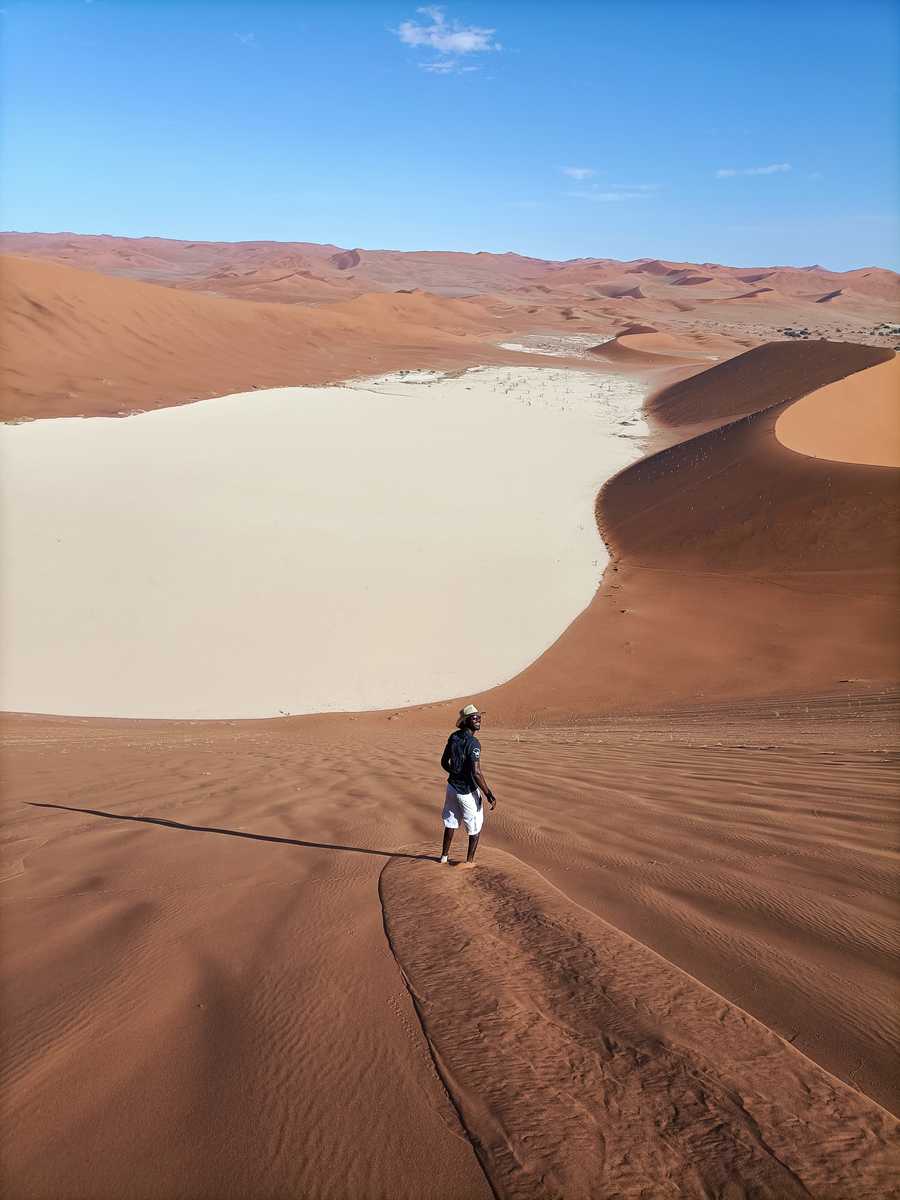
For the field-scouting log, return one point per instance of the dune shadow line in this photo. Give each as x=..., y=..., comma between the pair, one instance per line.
x=238, y=833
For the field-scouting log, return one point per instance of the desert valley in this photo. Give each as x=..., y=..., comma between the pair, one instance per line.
x=272, y=514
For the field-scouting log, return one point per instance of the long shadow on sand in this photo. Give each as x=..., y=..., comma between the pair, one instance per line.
x=238, y=833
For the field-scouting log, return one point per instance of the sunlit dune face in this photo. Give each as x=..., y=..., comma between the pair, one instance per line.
x=856, y=420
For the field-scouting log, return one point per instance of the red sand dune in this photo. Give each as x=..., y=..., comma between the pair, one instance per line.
x=767, y=375
x=765, y=291
x=873, y=281
x=856, y=420
x=649, y=350
x=336, y=271
x=202, y=978
x=741, y=569
x=773, y=511
x=653, y=267
x=345, y=259
x=653, y=342
x=230, y=972
x=631, y=330
x=518, y=1047
x=619, y=292
x=78, y=342
x=723, y=545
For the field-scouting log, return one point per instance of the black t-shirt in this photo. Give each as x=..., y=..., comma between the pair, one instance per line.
x=465, y=780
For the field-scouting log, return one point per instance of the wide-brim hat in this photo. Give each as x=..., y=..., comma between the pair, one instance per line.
x=464, y=713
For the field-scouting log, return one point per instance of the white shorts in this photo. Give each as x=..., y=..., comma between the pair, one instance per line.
x=463, y=808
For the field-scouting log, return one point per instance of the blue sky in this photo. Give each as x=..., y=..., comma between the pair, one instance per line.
x=736, y=131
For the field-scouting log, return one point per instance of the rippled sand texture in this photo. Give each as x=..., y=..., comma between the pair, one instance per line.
x=197, y=972
x=584, y=1065
x=231, y=968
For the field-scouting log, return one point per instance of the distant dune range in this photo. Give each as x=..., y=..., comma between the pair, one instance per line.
x=83, y=336
x=305, y=271
x=76, y=342
x=227, y=957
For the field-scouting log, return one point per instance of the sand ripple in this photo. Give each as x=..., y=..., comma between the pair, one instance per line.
x=584, y=1065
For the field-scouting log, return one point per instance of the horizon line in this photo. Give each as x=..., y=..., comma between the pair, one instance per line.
x=587, y=258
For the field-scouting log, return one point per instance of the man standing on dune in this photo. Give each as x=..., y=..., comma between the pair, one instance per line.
x=466, y=786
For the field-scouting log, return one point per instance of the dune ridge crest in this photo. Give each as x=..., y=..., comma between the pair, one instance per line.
x=747, y=383
x=712, y=1103
x=735, y=561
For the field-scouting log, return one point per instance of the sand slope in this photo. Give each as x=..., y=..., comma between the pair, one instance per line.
x=211, y=1016
x=202, y=989
x=584, y=1065
x=856, y=420
x=76, y=342
x=197, y=971
x=750, y=382
x=736, y=562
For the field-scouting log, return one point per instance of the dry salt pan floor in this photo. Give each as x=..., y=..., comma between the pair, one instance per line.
x=306, y=549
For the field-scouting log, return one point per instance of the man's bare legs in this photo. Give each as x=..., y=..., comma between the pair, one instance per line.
x=448, y=838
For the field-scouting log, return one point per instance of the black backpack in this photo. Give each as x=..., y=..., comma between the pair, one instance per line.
x=455, y=756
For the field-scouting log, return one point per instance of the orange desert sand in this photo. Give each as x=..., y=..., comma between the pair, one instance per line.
x=232, y=966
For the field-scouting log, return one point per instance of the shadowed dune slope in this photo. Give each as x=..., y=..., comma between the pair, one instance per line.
x=740, y=568
x=735, y=499
x=553, y=1033
x=765, y=375
x=631, y=330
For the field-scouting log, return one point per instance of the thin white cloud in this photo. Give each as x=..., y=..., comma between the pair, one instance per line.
x=246, y=39
x=610, y=197
x=449, y=39
x=771, y=169
x=611, y=193
x=606, y=191
x=446, y=66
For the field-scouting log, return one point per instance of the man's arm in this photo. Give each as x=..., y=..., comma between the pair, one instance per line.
x=482, y=784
